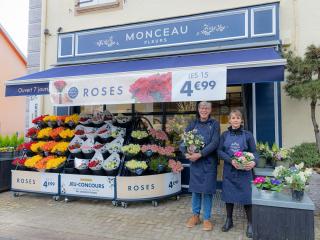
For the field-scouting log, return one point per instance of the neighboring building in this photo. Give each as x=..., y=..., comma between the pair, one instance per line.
x=12, y=64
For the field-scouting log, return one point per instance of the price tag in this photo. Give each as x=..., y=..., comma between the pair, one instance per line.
x=205, y=84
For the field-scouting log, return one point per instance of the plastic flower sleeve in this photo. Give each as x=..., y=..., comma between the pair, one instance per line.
x=87, y=146
x=112, y=162
x=115, y=146
x=81, y=164
x=75, y=145
x=96, y=162
x=104, y=131
x=80, y=131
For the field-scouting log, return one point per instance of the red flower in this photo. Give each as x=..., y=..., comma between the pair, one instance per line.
x=32, y=132
x=39, y=119
x=59, y=85
x=19, y=161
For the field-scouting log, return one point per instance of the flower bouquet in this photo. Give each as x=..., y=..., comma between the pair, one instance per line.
x=44, y=133
x=81, y=165
x=26, y=148
x=115, y=146
x=118, y=132
x=243, y=158
x=87, y=148
x=72, y=120
x=95, y=164
x=50, y=120
x=56, y=164
x=111, y=164
x=39, y=121
x=48, y=146
x=85, y=119
x=36, y=147
x=32, y=133
x=175, y=166
x=131, y=150
x=54, y=134
x=79, y=131
x=122, y=120
x=136, y=167
x=60, y=148
x=140, y=136
x=149, y=149
x=193, y=141
x=31, y=162
x=267, y=183
x=104, y=133
x=19, y=163
x=75, y=146
x=42, y=163
x=61, y=120
x=159, y=136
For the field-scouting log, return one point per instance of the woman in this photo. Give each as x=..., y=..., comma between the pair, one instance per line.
x=203, y=168
x=236, y=185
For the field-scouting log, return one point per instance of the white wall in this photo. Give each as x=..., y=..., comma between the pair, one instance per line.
x=298, y=29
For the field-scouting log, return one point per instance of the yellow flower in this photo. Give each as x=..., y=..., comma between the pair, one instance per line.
x=36, y=147
x=55, y=162
x=66, y=133
x=44, y=132
x=60, y=147
x=50, y=119
x=31, y=162
x=73, y=118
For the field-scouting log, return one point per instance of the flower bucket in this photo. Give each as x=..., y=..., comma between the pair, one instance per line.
x=262, y=162
x=297, y=195
x=98, y=172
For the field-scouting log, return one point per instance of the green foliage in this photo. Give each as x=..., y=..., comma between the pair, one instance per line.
x=11, y=141
x=156, y=161
x=307, y=153
x=303, y=80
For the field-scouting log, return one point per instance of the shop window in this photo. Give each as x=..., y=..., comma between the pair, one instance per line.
x=92, y=5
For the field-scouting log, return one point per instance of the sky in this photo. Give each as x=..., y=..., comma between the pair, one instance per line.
x=14, y=19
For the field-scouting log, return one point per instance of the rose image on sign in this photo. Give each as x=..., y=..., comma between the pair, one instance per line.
x=155, y=88
x=60, y=97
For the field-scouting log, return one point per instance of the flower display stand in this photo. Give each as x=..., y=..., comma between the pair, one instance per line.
x=35, y=182
x=5, y=170
x=277, y=216
x=148, y=188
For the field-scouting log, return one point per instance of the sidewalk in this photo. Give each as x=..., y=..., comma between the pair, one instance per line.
x=39, y=217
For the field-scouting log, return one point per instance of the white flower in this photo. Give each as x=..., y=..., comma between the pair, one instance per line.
x=308, y=172
x=277, y=171
x=302, y=177
x=299, y=166
x=289, y=180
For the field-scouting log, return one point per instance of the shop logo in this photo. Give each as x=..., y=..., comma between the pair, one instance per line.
x=73, y=92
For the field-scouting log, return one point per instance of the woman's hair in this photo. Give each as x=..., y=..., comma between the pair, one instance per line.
x=236, y=112
x=203, y=103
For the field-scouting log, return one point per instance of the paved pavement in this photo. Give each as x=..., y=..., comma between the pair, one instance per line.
x=39, y=217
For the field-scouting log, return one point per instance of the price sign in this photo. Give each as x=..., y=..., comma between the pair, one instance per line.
x=205, y=84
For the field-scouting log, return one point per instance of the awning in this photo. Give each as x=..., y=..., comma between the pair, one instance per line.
x=243, y=66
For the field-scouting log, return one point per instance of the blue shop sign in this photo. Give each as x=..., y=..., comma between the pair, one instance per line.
x=245, y=25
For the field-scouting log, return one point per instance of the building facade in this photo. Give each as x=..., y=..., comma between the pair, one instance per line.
x=295, y=30
x=13, y=65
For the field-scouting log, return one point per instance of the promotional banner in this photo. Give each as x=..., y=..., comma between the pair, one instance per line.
x=196, y=84
x=35, y=181
x=144, y=187
x=87, y=186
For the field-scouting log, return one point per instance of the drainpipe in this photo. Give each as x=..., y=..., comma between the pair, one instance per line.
x=43, y=45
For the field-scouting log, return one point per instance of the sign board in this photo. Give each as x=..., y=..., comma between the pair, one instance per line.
x=190, y=84
x=88, y=186
x=145, y=187
x=181, y=34
x=39, y=182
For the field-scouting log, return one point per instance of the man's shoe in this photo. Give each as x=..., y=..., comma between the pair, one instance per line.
x=227, y=225
x=249, y=231
x=207, y=225
x=194, y=220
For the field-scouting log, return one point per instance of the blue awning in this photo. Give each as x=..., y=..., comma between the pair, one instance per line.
x=243, y=66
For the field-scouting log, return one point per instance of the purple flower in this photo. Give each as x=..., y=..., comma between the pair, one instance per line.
x=275, y=181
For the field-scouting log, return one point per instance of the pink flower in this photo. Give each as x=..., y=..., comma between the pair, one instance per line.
x=259, y=180
x=238, y=154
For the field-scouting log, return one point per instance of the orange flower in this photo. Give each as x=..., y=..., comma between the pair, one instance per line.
x=48, y=146
x=55, y=132
x=43, y=162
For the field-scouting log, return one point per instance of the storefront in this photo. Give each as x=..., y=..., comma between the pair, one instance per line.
x=230, y=57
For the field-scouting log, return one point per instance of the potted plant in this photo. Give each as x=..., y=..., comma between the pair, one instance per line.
x=267, y=183
x=136, y=168
x=296, y=178
x=280, y=156
x=158, y=164
x=265, y=154
x=131, y=150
